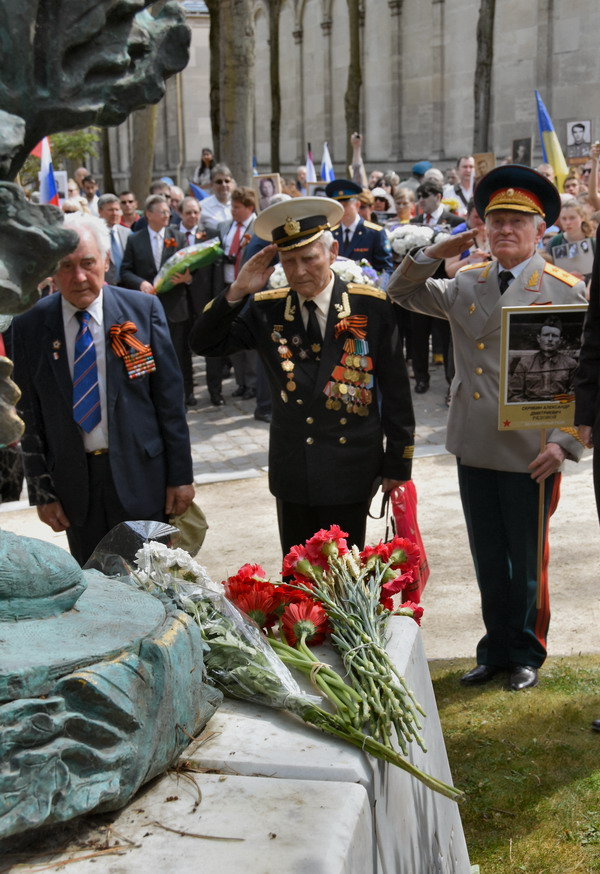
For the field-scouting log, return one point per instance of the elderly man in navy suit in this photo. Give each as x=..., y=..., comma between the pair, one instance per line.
x=106, y=437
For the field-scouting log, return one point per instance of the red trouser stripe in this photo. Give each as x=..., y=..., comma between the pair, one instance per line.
x=543, y=614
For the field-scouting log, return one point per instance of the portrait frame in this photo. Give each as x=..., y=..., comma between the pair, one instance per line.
x=578, y=149
x=484, y=162
x=519, y=406
x=522, y=150
x=316, y=189
x=259, y=183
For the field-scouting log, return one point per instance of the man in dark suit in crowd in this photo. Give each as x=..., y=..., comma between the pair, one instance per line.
x=145, y=253
x=429, y=199
x=106, y=437
x=356, y=237
x=109, y=210
x=331, y=353
x=235, y=234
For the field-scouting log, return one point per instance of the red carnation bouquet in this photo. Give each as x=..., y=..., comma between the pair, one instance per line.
x=254, y=630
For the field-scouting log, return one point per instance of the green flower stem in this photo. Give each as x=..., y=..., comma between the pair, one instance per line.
x=329, y=724
x=327, y=680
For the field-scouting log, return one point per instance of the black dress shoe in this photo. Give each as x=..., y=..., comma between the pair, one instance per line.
x=263, y=417
x=249, y=393
x=239, y=392
x=191, y=401
x=523, y=677
x=596, y=725
x=421, y=387
x=480, y=674
x=217, y=400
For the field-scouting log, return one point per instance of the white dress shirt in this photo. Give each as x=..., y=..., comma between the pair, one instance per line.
x=323, y=301
x=214, y=212
x=98, y=438
x=349, y=230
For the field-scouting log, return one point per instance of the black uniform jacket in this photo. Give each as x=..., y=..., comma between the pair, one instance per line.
x=329, y=416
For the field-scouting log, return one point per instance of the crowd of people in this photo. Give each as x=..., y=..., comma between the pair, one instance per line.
x=503, y=241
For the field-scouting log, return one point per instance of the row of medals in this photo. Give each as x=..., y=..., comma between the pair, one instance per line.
x=349, y=386
x=351, y=391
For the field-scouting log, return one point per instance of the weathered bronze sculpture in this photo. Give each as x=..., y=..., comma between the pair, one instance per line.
x=100, y=684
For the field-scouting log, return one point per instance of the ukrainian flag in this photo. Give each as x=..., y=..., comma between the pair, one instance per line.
x=551, y=149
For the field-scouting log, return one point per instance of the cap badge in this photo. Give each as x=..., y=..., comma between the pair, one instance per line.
x=510, y=192
x=291, y=226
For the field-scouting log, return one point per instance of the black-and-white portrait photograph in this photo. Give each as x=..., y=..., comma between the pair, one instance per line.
x=521, y=151
x=543, y=355
x=579, y=138
x=266, y=185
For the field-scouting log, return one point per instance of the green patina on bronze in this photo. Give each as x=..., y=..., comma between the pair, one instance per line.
x=100, y=684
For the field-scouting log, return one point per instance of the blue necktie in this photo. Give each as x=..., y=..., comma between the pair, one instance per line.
x=115, y=251
x=86, y=392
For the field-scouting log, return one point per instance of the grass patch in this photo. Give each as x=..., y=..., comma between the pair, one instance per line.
x=529, y=764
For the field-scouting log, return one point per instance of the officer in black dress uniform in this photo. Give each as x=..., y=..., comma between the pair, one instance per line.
x=336, y=371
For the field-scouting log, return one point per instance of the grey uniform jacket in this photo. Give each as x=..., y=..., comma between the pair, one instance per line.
x=473, y=305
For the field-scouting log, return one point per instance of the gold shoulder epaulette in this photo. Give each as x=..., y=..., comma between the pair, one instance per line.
x=208, y=305
x=473, y=266
x=272, y=294
x=373, y=226
x=355, y=288
x=561, y=274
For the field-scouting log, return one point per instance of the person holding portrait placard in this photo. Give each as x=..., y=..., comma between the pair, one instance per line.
x=499, y=472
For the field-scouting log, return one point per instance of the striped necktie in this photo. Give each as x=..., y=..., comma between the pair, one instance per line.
x=86, y=392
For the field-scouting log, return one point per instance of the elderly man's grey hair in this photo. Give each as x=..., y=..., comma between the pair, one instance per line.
x=90, y=224
x=105, y=199
x=326, y=239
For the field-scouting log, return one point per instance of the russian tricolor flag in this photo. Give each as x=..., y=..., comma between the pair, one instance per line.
x=327, y=173
x=48, y=192
x=551, y=150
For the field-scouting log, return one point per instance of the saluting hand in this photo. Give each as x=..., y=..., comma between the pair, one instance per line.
x=253, y=276
x=452, y=246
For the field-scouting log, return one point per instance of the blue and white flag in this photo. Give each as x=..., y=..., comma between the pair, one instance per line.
x=327, y=174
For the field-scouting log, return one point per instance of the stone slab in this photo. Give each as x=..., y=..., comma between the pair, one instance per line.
x=416, y=829
x=278, y=827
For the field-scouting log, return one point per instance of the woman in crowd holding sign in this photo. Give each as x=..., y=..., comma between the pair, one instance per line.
x=573, y=248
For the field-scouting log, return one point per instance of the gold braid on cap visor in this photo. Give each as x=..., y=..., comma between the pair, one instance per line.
x=516, y=199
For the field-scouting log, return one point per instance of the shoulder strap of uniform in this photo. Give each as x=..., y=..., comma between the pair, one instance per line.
x=561, y=274
x=473, y=266
x=356, y=288
x=373, y=226
x=272, y=294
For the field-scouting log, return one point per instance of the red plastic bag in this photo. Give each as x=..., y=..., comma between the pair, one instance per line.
x=403, y=516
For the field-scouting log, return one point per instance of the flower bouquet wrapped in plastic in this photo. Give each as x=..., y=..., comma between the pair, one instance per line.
x=406, y=237
x=192, y=257
x=241, y=662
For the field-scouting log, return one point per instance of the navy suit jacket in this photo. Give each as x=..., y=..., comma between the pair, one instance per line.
x=149, y=445
x=138, y=266
x=368, y=241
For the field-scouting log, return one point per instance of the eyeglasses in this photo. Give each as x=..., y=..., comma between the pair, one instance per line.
x=586, y=171
x=128, y=201
x=221, y=181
